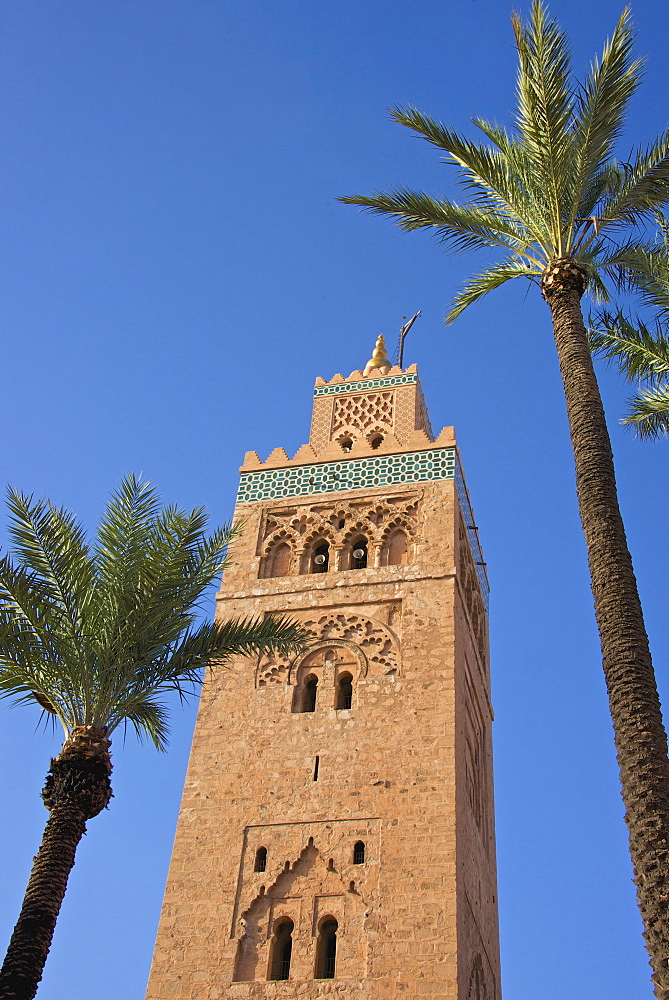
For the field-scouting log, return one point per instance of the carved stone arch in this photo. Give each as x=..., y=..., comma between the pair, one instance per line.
x=375, y=431
x=281, y=537
x=284, y=534
x=379, y=512
x=272, y=669
x=374, y=640
x=377, y=641
x=322, y=531
x=298, y=524
x=361, y=526
x=342, y=512
x=297, y=887
x=346, y=434
x=360, y=529
x=359, y=655
x=403, y=521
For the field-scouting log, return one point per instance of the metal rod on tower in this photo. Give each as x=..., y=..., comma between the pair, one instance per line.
x=404, y=329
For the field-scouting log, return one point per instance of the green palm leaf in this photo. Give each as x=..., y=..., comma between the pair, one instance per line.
x=642, y=357
x=102, y=634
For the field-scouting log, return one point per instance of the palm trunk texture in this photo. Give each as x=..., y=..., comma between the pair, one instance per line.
x=77, y=788
x=640, y=738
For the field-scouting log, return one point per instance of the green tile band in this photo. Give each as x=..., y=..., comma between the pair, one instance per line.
x=367, y=385
x=354, y=474
x=366, y=473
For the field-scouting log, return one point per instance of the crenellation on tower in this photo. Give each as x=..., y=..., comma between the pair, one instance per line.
x=336, y=835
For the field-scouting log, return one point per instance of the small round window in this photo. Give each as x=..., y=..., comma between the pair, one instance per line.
x=377, y=441
x=346, y=444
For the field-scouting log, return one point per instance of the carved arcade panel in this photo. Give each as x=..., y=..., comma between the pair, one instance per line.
x=344, y=642
x=284, y=912
x=292, y=539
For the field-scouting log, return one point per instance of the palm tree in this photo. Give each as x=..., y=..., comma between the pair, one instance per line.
x=548, y=195
x=641, y=353
x=99, y=636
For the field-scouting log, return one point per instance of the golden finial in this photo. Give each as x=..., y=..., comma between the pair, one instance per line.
x=379, y=358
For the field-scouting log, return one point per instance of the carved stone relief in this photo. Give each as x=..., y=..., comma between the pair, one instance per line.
x=370, y=643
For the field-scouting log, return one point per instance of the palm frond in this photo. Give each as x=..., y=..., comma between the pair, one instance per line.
x=600, y=110
x=545, y=110
x=638, y=353
x=481, y=284
x=459, y=227
x=135, y=639
x=52, y=544
x=645, y=272
x=649, y=412
x=149, y=719
x=496, y=179
x=643, y=187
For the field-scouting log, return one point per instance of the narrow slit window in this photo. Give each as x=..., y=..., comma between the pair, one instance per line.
x=316, y=766
x=261, y=860
x=359, y=852
x=282, y=949
x=345, y=691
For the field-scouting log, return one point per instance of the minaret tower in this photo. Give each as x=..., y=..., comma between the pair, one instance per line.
x=336, y=835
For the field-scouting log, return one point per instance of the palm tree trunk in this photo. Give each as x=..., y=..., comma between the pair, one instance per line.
x=30, y=943
x=77, y=788
x=640, y=738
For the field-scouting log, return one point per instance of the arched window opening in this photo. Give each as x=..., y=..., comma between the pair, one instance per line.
x=261, y=860
x=320, y=558
x=280, y=560
x=345, y=691
x=346, y=444
x=282, y=949
x=310, y=690
x=396, y=549
x=377, y=441
x=359, y=852
x=359, y=554
x=326, y=949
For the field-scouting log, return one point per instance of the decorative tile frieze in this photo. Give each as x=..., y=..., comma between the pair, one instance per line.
x=366, y=385
x=354, y=474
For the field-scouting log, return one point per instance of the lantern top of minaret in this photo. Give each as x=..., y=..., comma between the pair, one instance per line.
x=378, y=363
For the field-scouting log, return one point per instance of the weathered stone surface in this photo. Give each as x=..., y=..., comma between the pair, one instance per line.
x=406, y=769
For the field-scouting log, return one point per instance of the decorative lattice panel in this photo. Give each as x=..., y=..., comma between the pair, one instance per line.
x=363, y=413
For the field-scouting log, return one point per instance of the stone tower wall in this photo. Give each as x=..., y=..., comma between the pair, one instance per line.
x=406, y=770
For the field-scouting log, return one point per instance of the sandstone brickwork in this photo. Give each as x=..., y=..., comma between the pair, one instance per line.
x=348, y=787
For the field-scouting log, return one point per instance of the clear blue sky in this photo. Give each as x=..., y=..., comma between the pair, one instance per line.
x=176, y=271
